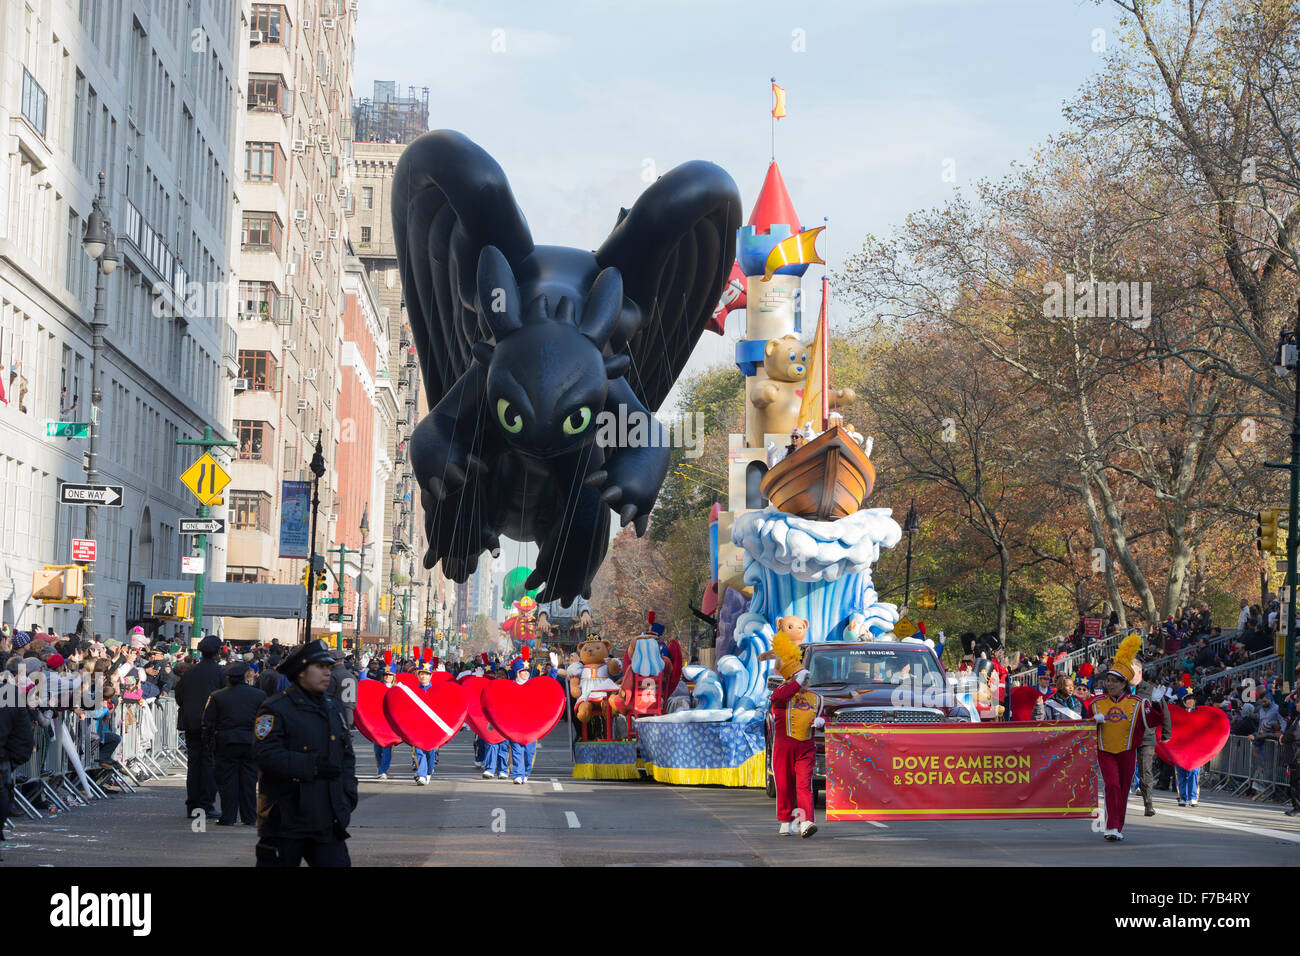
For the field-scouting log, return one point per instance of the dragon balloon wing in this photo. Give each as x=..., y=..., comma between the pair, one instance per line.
x=450, y=200
x=674, y=249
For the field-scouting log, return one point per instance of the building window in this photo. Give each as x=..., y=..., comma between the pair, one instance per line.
x=368, y=197
x=261, y=232
x=249, y=511
x=266, y=91
x=267, y=20
x=259, y=368
x=247, y=575
x=365, y=235
x=260, y=162
x=255, y=440
x=260, y=300
x=34, y=102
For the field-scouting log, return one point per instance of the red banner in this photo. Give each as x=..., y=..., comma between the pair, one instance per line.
x=981, y=771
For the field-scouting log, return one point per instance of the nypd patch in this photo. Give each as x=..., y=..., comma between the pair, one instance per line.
x=262, y=726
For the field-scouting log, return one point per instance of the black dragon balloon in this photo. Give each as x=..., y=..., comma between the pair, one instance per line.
x=523, y=347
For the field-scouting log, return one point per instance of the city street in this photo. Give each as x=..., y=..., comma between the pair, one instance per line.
x=461, y=819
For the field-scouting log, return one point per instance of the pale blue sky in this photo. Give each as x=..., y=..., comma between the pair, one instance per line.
x=586, y=94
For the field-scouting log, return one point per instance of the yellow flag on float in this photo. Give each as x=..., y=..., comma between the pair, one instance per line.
x=799, y=249
x=810, y=407
x=778, y=101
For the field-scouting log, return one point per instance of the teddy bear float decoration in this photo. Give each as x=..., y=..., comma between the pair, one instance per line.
x=592, y=679
x=777, y=398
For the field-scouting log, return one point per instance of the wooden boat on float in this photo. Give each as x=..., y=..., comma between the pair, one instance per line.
x=831, y=476
x=828, y=478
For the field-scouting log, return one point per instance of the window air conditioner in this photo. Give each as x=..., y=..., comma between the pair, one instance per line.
x=255, y=38
x=299, y=145
x=334, y=233
x=327, y=23
x=291, y=345
x=300, y=215
x=302, y=405
x=320, y=197
x=291, y=269
x=310, y=374
x=241, y=384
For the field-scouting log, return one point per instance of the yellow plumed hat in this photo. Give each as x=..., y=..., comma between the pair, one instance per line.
x=785, y=652
x=1128, y=650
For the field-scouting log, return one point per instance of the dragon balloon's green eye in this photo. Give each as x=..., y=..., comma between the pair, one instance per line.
x=577, y=421
x=511, y=421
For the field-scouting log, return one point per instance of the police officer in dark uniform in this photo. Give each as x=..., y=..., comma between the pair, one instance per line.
x=307, y=788
x=192, y=692
x=228, y=736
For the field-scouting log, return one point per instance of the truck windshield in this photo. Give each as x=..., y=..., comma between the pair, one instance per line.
x=873, y=665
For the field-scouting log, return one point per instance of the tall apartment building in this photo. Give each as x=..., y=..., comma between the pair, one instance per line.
x=368, y=410
x=294, y=202
x=146, y=93
x=372, y=238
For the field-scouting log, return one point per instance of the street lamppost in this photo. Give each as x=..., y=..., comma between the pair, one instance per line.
x=98, y=243
x=911, y=525
x=361, y=579
x=317, y=469
x=1288, y=359
x=393, y=552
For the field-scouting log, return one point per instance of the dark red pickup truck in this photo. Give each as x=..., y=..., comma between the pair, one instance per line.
x=873, y=682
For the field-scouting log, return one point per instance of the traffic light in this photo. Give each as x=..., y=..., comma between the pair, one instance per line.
x=306, y=578
x=1266, y=536
x=173, y=606
x=428, y=620
x=58, y=584
x=385, y=602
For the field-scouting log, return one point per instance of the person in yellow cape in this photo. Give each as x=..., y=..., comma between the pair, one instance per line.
x=796, y=714
x=1122, y=721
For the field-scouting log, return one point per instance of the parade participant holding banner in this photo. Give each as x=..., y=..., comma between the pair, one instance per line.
x=1122, y=722
x=796, y=713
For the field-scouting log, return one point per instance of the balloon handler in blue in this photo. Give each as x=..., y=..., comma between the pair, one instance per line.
x=521, y=755
x=424, y=762
x=384, y=755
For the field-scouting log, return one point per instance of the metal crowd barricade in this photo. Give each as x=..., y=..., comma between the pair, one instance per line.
x=126, y=723
x=31, y=782
x=166, y=741
x=1226, y=637
x=1244, y=764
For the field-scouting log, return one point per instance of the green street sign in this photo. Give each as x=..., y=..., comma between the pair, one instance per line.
x=67, y=429
x=329, y=600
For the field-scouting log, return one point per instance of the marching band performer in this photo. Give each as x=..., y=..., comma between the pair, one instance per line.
x=796, y=712
x=1122, y=720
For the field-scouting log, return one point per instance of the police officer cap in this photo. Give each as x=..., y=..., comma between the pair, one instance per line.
x=312, y=652
x=236, y=670
x=210, y=645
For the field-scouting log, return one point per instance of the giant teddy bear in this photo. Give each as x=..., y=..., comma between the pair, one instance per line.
x=777, y=398
x=591, y=678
